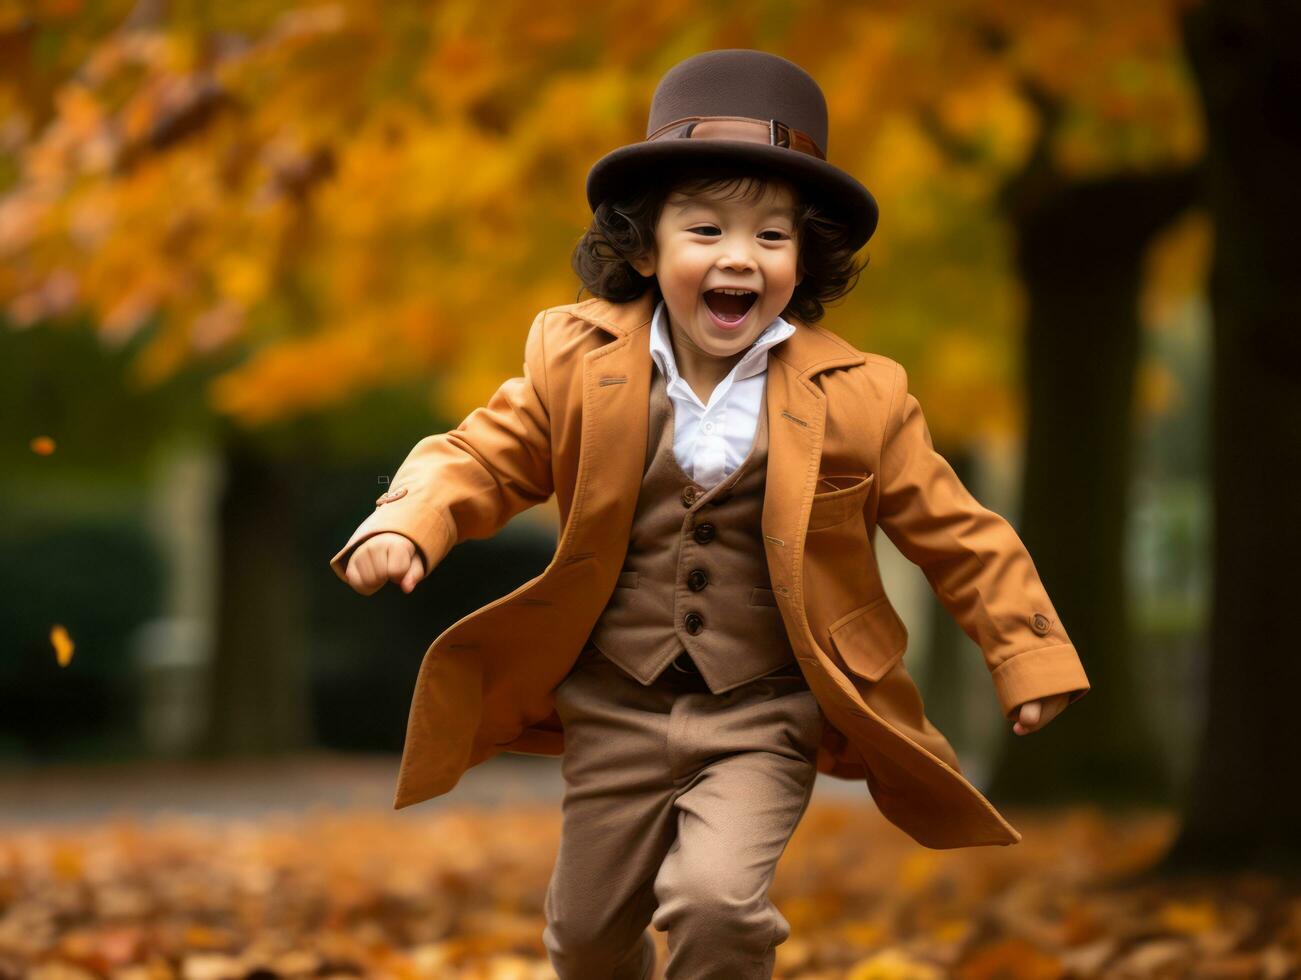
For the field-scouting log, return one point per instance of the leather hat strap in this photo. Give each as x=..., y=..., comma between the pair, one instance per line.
x=742, y=128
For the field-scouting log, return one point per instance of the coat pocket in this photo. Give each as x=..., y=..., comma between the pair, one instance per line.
x=841, y=496
x=871, y=639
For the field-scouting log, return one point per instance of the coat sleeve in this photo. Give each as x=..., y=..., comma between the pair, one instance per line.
x=975, y=562
x=470, y=481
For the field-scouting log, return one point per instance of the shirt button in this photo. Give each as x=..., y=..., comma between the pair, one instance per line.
x=704, y=533
x=708, y=427
x=694, y=623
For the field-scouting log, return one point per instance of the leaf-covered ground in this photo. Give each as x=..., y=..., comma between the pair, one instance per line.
x=457, y=894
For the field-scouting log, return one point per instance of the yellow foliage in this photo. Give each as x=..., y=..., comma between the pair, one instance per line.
x=348, y=197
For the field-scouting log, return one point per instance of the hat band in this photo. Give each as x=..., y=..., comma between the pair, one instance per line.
x=742, y=128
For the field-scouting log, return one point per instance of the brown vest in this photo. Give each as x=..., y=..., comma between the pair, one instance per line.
x=696, y=576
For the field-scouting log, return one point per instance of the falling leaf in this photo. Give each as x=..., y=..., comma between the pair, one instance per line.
x=62, y=644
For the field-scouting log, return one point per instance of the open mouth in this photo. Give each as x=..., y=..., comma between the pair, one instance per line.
x=730, y=307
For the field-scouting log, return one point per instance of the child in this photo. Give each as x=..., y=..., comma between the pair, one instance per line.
x=713, y=630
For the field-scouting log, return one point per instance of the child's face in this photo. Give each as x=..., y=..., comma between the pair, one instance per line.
x=704, y=242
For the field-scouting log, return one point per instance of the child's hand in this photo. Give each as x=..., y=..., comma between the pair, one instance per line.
x=1035, y=714
x=386, y=557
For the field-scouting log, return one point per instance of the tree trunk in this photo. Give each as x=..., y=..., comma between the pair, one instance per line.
x=1080, y=247
x=1243, y=807
x=259, y=683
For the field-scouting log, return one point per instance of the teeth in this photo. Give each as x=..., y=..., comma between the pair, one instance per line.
x=735, y=292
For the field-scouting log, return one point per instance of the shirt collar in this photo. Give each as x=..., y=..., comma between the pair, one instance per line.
x=753, y=361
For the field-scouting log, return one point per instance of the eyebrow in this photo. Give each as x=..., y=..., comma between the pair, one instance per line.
x=788, y=212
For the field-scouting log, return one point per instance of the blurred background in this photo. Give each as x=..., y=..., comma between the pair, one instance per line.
x=250, y=253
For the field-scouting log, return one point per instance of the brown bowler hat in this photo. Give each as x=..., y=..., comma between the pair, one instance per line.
x=750, y=108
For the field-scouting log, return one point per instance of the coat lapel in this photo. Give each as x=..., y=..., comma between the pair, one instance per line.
x=615, y=424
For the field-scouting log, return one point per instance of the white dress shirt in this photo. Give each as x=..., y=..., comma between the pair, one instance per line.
x=710, y=441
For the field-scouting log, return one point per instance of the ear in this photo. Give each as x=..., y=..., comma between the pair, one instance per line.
x=645, y=264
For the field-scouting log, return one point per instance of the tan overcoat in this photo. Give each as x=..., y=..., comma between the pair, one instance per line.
x=849, y=450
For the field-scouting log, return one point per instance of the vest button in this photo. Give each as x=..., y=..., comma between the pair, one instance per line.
x=704, y=533
x=694, y=623
x=689, y=495
x=697, y=580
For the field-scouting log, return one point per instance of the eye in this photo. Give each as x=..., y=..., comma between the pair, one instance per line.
x=781, y=235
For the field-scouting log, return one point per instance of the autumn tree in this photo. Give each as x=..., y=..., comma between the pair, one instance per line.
x=1244, y=802
x=315, y=202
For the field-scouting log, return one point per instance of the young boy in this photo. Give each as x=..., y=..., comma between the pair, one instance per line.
x=713, y=630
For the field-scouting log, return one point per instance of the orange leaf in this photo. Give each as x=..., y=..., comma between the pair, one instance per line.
x=62, y=644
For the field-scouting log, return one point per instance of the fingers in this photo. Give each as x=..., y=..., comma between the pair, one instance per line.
x=398, y=561
x=384, y=558
x=358, y=578
x=360, y=570
x=1028, y=719
x=415, y=573
x=1034, y=715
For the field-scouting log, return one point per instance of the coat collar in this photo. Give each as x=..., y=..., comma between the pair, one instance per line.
x=615, y=423
x=808, y=350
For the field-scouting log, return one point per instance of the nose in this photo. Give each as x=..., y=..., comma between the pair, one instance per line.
x=737, y=257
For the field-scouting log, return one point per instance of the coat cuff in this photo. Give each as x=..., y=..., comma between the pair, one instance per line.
x=1039, y=673
x=426, y=529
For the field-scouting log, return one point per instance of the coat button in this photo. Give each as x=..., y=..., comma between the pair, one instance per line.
x=704, y=533
x=1040, y=623
x=694, y=623
x=689, y=495
x=390, y=496
x=697, y=580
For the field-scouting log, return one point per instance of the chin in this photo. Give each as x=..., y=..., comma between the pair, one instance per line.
x=722, y=346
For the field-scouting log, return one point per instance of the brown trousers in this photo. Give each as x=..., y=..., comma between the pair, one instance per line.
x=678, y=804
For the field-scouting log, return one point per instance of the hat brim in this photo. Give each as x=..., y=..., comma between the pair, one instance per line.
x=838, y=193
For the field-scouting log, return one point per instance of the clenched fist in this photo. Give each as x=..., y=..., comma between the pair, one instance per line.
x=385, y=557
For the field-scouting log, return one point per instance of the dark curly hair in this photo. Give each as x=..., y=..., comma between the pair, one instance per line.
x=624, y=229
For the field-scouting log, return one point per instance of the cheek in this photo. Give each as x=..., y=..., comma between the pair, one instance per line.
x=682, y=278
x=780, y=275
